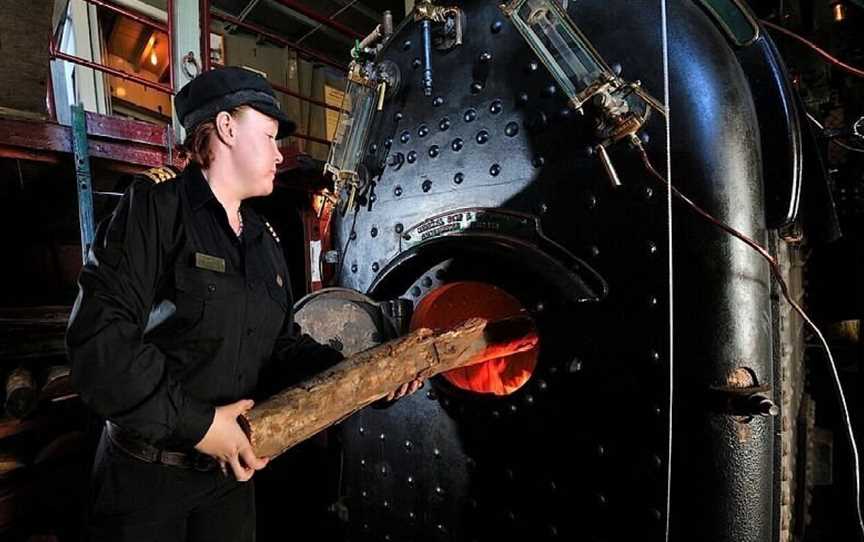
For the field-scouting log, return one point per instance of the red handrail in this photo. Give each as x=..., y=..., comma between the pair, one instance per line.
x=317, y=17
x=280, y=40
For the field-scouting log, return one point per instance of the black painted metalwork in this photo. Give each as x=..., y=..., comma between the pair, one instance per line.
x=579, y=453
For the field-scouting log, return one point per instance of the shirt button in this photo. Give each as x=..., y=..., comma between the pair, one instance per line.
x=211, y=287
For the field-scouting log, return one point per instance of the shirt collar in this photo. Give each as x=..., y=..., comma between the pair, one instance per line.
x=200, y=194
x=199, y=189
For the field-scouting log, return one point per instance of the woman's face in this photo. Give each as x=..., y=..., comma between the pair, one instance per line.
x=255, y=153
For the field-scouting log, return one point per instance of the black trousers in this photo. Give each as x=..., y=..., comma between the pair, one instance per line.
x=134, y=501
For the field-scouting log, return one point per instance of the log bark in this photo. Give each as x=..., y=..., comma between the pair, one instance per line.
x=301, y=411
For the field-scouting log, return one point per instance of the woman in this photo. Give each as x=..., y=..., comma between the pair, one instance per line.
x=184, y=314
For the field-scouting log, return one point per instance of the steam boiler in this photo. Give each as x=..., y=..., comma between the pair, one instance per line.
x=518, y=158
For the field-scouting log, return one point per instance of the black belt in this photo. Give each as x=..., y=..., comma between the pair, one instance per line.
x=137, y=448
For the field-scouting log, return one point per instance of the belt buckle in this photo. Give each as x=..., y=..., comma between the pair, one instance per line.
x=202, y=462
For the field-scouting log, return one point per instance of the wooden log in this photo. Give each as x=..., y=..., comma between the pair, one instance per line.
x=21, y=393
x=301, y=411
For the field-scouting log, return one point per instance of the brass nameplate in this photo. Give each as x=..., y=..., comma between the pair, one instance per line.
x=212, y=263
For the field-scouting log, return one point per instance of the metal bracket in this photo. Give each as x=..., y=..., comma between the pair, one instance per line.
x=83, y=179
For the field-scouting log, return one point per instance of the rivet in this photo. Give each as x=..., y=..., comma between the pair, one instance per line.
x=593, y=251
x=362, y=429
x=388, y=143
x=374, y=231
x=476, y=87
x=412, y=515
x=363, y=462
x=652, y=301
x=600, y=450
x=211, y=288
x=539, y=120
x=532, y=66
x=373, y=198
x=591, y=201
x=575, y=365
x=529, y=400
x=485, y=57
x=375, y=267
x=444, y=124
x=364, y=494
x=511, y=129
x=383, y=467
x=496, y=414
x=373, y=148
x=427, y=282
x=656, y=462
x=410, y=480
x=399, y=228
x=470, y=115
x=353, y=267
x=397, y=191
x=550, y=90
x=415, y=291
x=458, y=178
x=436, y=452
x=416, y=63
x=434, y=151
x=441, y=528
x=423, y=131
x=565, y=113
x=617, y=68
x=405, y=137
x=382, y=436
x=496, y=107
x=482, y=137
x=438, y=101
x=522, y=98
x=406, y=45
x=538, y=161
x=542, y=385
x=651, y=247
x=412, y=157
x=601, y=499
x=397, y=116
x=457, y=144
x=647, y=193
x=496, y=27
x=654, y=356
x=645, y=138
x=439, y=490
x=408, y=444
x=657, y=411
x=513, y=409
x=427, y=185
x=589, y=151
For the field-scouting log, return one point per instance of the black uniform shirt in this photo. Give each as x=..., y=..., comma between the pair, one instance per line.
x=177, y=315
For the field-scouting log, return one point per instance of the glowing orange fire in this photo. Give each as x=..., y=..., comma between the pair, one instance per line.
x=453, y=303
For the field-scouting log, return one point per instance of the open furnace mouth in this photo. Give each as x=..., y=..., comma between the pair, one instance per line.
x=450, y=304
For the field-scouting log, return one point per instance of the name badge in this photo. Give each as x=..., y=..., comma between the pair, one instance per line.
x=212, y=263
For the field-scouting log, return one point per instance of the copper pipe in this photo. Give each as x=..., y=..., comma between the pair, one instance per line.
x=280, y=40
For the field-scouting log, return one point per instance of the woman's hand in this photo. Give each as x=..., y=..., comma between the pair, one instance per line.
x=405, y=389
x=226, y=442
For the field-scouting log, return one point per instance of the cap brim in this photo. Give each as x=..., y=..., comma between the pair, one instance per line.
x=286, y=125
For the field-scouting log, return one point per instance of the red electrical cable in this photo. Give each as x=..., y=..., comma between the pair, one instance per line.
x=777, y=273
x=824, y=54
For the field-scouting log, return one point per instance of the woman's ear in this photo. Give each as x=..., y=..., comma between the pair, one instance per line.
x=225, y=128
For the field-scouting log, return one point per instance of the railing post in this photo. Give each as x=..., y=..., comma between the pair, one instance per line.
x=185, y=45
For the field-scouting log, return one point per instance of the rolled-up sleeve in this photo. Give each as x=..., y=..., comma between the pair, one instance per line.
x=117, y=374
